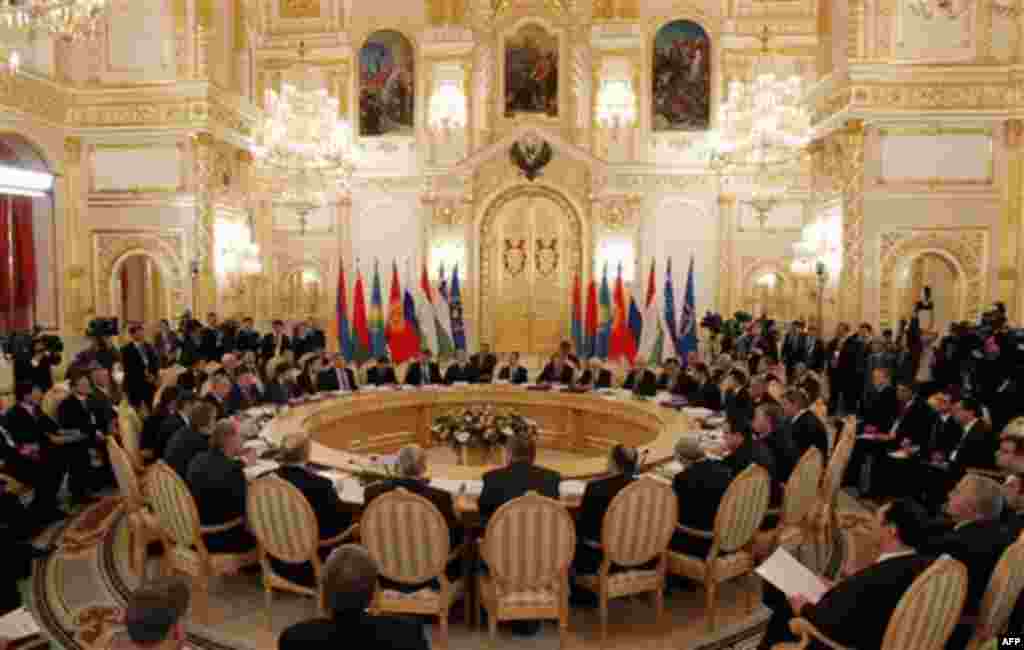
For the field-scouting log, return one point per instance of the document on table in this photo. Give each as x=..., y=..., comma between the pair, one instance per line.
x=455, y=487
x=350, y=490
x=259, y=468
x=790, y=577
x=568, y=489
x=18, y=625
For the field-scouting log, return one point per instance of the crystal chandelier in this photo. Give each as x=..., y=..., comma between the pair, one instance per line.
x=929, y=9
x=67, y=19
x=820, y=250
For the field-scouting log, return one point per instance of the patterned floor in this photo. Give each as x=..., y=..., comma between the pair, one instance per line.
x=79, y=594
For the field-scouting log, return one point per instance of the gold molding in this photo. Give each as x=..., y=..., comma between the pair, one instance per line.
x=907, y=131
x=165, y=246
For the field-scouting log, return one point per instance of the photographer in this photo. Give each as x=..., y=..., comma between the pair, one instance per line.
x=37, y=370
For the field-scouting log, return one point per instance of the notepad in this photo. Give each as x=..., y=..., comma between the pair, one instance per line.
x=18, y=624
x=790, y=577
x=571, y=488
x=350, y=490
x=259, y=468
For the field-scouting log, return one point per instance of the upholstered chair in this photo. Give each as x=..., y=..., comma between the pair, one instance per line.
x=832, y=481
x=1004, y=589
x=798, y=501
x=143, y=527
x=130, y=428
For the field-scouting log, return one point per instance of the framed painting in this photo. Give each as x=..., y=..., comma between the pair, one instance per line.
x=681, y=76
x=531, y=72
x=387, y=85
x=292, y=9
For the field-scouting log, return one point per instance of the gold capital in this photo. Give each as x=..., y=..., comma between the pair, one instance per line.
x=73, y=150
x=726, y=199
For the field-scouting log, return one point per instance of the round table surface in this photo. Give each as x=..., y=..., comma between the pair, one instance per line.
x=338, y=422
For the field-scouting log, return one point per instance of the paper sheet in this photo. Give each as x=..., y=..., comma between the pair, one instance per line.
x=571, y=488
x=259, y=468
x=454, y=487
x=790, y=577
x=18, y=624
x=350, y=490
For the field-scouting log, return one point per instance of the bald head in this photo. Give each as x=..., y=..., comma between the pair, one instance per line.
x=688, y=449
x=412, y=461
x=350, y=578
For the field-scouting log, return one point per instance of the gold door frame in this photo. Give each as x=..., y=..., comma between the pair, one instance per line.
x=485, y=245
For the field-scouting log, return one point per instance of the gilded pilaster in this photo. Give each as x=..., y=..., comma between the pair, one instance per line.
x=985, y=33
x=1011, y=253
x=848, y=171
x=204, y=283
x=77, y=285
x=727, y=235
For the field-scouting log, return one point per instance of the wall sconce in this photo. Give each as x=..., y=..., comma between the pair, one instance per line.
x=613, y=251
x=11, y=65
x=236, y=253
x=448, y=252
x=616, y=105
x=448, y=108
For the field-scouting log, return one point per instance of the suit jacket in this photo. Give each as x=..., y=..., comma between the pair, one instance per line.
x=684, y=386
x=248, y=341
x=946, y=435
x=700, y=488
x=30, y=429
x=191, y=351
x=548, y=375
x=808, y=431
x=856, y=611
x=916, y=423
x=183, y=447
x=455, y=373
x=414, y=375
x=852, y=359
x=979, y=546
x=1005, y=403
x=506, y=483
x=752, y=452
x=139, y=365
x=784, y=451
x=793, y=349
x=977, y=448
x=38, y=375
x=219, y=487
x=104, y=404
x=642, y=382
x=880, y=408
x=707, y=396
x=317, y=339
x=304, y=345
x=168, y=427
x=74, y=414
x=378, y=376
x=738, y=404
x=442, y=501
x=603, y=380
x=328, y=379
x=484, y=365
x=814, y=354
x=214, y=344
x=330, y=513
x=520, y=376
x=268, y=350
x=356, y=630
x=596, y=499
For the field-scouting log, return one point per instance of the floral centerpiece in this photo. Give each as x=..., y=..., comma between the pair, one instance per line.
x=474, y=432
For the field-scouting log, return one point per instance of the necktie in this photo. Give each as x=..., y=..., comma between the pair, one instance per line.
x=342, y=379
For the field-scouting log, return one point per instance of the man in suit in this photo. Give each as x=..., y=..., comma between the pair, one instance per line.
x=832, y=366
x=879, y=410
x=736, y=398
x=565, y=349
x=699, y=489
x=669, y=375
x=805, y=427
x=793, y=347
x=769, y=427
x=556, y=371
x=276, y=342
x=425, y=371
x=915, y=423
x=978, y=445
x=855, y=612
x=640, y=379
x=622, y=468
x=155, y=616
x=977, y=538
x=513, y=372
x=80, y=425
x=38, y=368
x=594, y=376
x=175, y=420
x=881, y=404
x=517, y=478
x=248, y=339
x=29, y=457
x=337, y=377
x=382, y=374
x=460, y=371
x=743, y=450
x=191, y=439
x=484, y=363
x=349, y=582
x=220, y=390
x=218, y=483
x=814, y=350
x=317, y=338
x=213, y=346
x=105, y=398
x=850, y=368
x=141, y=365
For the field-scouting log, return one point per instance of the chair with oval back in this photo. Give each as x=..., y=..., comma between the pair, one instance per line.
x=528, y=546
x=739, y=516
x=182, y=535
x=286, y=528
x=833, y=480
x=1004, y=589
x=798, y=502
x=53, y=398
x=130, y=427
x=408, y=538
x=143, y=527
x=923, y=619
x=636, y=529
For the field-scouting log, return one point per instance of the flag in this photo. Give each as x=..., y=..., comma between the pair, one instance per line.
x=361, y=345
x=402, y=338
x=378, y=341
x=604, y=324
x=652, y=336
x=621, y=343
x=636, y=322
x=670, y=309
x=445, y=340
x=591, y=324
x=688, y=320
x=577, y=319
x=344, y=333
x=426, y=315
x=458, y=324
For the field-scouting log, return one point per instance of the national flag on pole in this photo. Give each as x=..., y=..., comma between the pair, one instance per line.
x=344, y=333
x=688, y=320
x=590, y=328
x=361, y=344
x=577, y=318
x=621, y=343
x=604, y=322
x=426, y=315
x=412, y=319
x=458, y=324
x=670, y=309
x=402, y=338
x=636, y=322
x=653, y=335
x=445, y=340
x=378, y=340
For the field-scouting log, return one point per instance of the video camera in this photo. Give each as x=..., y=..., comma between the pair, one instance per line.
x=104, y=327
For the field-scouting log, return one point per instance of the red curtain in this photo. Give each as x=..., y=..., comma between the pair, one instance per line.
x=5, y=267
x=17, y=264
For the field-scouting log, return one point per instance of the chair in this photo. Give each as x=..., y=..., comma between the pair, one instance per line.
x=182, y=536
x=53, y=398
x=636, y=529
x=143, y=527
x=286, y=528
x=798, y=500
x=739, y=515
x=528, y=546
x=270, y=367
x=923, y=619
x=130, y=426
x=832, y=481
x=408, y=538
x=1004, y=589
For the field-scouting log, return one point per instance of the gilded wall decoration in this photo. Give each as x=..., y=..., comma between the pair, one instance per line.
x=165, y=247
x=968, y=248
x=514, y=257
x=531, y=72
x=292, y=9
x=681, y=78
x=387, y=84
x=547, y=257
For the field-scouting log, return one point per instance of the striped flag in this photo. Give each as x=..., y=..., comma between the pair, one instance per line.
x=670, y=310
x=653, y=335
x=577, y=319
x=458, y=324
x=402, y=339
x=362, y=348
x=344, y=333
x=636, y=322
x=688, y=320
x=445, y=340
x=621, y=343
x=604, y=325
x=378, y=340
x=426, y=315
x=590, y=332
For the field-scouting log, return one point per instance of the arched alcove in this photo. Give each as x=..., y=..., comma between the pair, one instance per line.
x=141, y=287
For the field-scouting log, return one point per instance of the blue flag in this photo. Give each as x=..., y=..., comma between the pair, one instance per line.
x=670, y=307
x=636, y=321
x=688, y=320
x=458, y=324
x=378, y=341
x=604, y=323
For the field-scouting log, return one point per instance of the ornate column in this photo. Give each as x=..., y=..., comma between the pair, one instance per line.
x=78, y=290
x=726, y=237
x=204, y=282
x=1011, y=253
x=985, y=32
x=848, y=149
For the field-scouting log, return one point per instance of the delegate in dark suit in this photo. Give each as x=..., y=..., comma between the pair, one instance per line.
x=459, y=373
x=814, y=354
x=552, y=376
x=183, y=446
x=977, y=448
x=699, y=488
x=484, y=364
x=506, y=483
x=213, y=344
x=39, y=373
x=355, y=630
x=423, y=373
x=880, y=408
x=219, y=486
x=808, y=431
x=707, y=395
x=381, y=376
x=519, y=377
x=274, y=345
x=329, y=379
x=596, y=499
x=642, y=382
x=603, y=379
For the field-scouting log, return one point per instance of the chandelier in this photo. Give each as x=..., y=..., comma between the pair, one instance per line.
x=66, y=19
x=929, y=9
x=820, y=250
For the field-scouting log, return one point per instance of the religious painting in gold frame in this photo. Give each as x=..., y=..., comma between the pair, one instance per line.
x=531, y=72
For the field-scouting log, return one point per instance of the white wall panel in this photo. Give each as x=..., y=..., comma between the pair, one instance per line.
x=140, y=43
x=957, y=157
x=387, y=228
x=679, y=228
x=127, y=169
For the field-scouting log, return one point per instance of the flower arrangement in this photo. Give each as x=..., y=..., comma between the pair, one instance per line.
x=481, y=426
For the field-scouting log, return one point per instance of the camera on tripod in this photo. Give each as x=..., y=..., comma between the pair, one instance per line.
x=104, y=327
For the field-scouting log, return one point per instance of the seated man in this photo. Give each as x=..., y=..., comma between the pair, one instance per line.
x=337, y=376
x=349, y=582
x=806, y=427
x=218, y=485
x=770, y=429
x=557, y=371
x=699, y=488
x=513, y=372
x=192, y=438
x=669, y=374
x=736, y=396
x=460, y=371
x=383, y=374
x=622, y=468
x=705, y=393
x=425, y=371
x=484, y=363
x=220, y=391
x=594, y=375
x=155, y=616
x=855, y=612
x=743, y=450
x=517, y=478
x=640, y=379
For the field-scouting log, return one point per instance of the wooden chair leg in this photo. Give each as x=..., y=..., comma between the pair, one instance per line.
x=268, y=601
x=709, y=604
x=492, y=626
x=563, y=633
x=201, y=589
x=751, y=593
x=444, y=630
x=659, y=602
x=604, y=616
